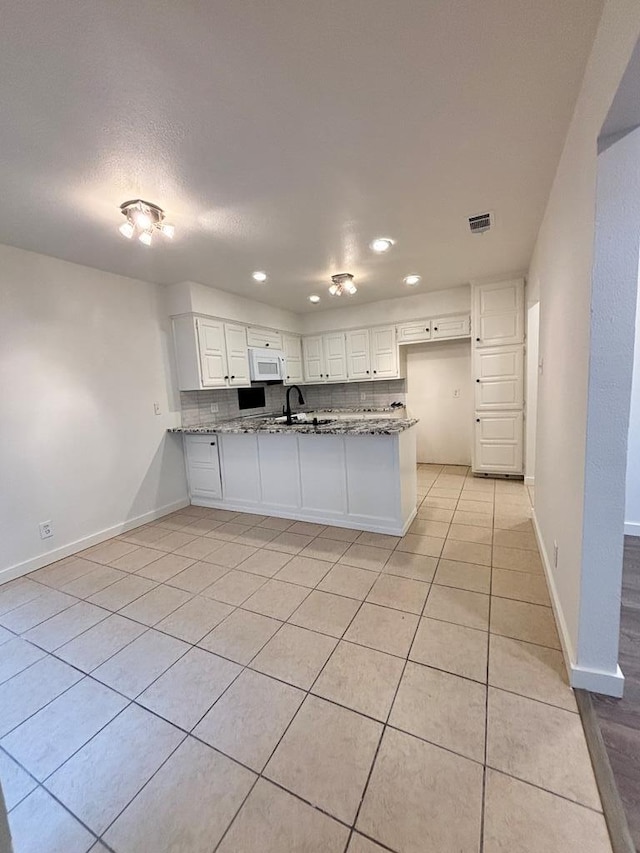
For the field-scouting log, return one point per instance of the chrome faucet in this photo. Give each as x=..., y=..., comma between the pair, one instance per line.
x=287, y=412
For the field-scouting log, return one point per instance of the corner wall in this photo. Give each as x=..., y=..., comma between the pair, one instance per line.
x=562, y=263
x=632, y=498
x=84, y=355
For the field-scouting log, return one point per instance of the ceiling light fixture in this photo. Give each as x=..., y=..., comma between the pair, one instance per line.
x=315, y=299
x=143, y=219
x=412, y=280
x=342, y=283
x=381, y=244
x=259, y=275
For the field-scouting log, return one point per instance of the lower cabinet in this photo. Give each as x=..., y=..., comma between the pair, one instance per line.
x=203, y=466
x=498, y=441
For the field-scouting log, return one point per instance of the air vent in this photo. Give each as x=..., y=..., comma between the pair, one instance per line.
x=481, y=223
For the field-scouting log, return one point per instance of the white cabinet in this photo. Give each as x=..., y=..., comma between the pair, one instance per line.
x=414, y=333
x=203, y=466
x=264, y=338
x=498, y=313
x=358, y=354
x=237, y=355
x=335, y=357
x=498, y=443
x=213, y=360
x=292, y=347
x=458, y=326
x=239, y=463
x=313, y=359
x=384, y=353
x=499, y=377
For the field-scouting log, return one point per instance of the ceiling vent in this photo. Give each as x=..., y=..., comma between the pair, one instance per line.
x=481, y=223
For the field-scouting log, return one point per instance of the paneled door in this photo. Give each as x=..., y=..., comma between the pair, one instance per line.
x=499, y=377
x=213, y=359
x=335, y=357
x=498, y=313
x=237, y=355
x=313, y=359
x=384, y=353
x=358, y=354
x=498, y=443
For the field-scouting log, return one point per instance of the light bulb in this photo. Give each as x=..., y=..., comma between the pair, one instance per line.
x=412, y=280
x=142, y=219
x=168, y=230
x=381, y=244
x=126, y=229
x=351, y=288
x=145, y=238
x=259, y=275
x=335, y=290
x=314, y=299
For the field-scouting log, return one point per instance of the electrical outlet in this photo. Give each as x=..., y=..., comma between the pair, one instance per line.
x=214, y=408
x=156, y=408
x=555, y=554
x=456, y=392
x=363, y=396
x=46, y=529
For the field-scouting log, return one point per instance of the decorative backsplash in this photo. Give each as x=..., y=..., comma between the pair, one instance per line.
x=196, y=405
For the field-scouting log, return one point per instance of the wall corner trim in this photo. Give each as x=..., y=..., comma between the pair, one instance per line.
x=529, y=481
x=632, y=528
x=597, y=681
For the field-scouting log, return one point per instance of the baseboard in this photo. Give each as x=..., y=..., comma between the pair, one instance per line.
x=529, y=481
x=632, y=528
x=598, y=681
x=71, y=548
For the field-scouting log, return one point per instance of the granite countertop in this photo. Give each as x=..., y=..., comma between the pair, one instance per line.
x=351, y=426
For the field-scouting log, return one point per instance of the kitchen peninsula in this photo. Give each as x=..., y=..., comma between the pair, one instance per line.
x=349, y=472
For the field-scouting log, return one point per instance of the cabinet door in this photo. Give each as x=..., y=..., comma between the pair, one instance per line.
x=498, y=313
x=412, y=333
x=499, y=377
x=237, y=355
x=497, y=447
x=264, y=338
x=203, y=466
x=358, y=354
x=292, y=347
x=335, y=357
x=313, y=359
x=239, y=462
x=451, y=327
x=384, y=353
x=213, y=358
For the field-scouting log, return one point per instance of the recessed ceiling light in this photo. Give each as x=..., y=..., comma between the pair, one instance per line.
x=259, y=275
x=381, y=244
x=412, y=280
x=314, y=299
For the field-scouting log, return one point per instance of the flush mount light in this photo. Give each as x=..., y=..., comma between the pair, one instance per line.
x=315, y=299
x=342, y=282
x=412, y=280
x=259, y=275
x=143, y=219
x=381, y=244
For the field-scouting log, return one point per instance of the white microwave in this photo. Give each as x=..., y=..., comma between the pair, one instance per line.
x=266, y=365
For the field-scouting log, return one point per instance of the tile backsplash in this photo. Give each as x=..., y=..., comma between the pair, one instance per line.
x=196, y=405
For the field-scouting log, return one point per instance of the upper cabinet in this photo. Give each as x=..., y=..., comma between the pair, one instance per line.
x=498, y=313
x=325, y=358
x=384, y=353
x=414, y=333
x=210, y=353
x=292, y=347
x=264, y=338
x=458, y=326
x=358, y=354
x=313, y=359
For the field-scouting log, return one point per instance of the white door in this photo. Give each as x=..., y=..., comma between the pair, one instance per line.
x=203, y=466
x=499, y=377
x=498, y=313
x=213, y=358
x=358, y=354
x=335, y=357
x=313, y=359
x=237, y=354
x=498, y=443
x=384, y=353
x=293, y=359
x=451, y=327
x=414, y=333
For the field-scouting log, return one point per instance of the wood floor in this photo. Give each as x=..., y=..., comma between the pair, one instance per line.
x=620, y=718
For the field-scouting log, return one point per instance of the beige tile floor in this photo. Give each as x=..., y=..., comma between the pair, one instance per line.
x=225, y=681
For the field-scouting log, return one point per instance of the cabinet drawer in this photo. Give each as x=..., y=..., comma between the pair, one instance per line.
x=409, y=333
x=202, y=449
x=263, y=338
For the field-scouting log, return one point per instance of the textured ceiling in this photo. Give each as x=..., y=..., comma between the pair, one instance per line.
x=285, y=134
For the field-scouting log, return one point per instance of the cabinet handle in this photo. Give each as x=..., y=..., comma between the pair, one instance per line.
x=213, y=444
x=233, y=377
x=267, y=344
x=288, y=377
x=435, y=328
x=226, y=377
x=477, y=380
x=375, y=371
x=367, y=371
x=478, y=339
x=477, y=420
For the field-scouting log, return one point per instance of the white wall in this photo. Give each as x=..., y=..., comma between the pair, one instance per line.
x=632, y=496
x=84, y=355
x=531, y=391
x=562, y=263
x=434, y=371
x=348, y=315
x=187, y=297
